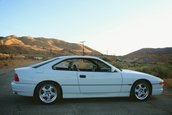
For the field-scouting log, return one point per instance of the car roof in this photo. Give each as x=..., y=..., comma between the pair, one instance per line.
x=78, y=56
x=62, y=58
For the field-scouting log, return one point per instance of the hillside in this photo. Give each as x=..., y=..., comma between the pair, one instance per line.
x=154, y=61
x=30, y=46
x=150, y=55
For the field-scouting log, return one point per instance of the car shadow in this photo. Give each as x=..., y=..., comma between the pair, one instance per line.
x=32, y=101
x=97, y=100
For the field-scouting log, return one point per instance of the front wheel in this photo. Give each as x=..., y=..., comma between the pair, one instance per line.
x=141, y=91
x=47, y=93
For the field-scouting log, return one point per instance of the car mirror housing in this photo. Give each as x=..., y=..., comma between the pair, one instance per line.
x=113, y=70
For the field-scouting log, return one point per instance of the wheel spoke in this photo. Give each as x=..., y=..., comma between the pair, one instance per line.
x=139, y=94
x=140, y=85
x=137, y=90
x=49, y=98
x=144, y=88
x=44, y=95
x=44, y=89
x=53, y=94
x=50, y=88
x=144, y=94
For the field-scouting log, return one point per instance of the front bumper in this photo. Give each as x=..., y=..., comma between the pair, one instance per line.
x=157, y=89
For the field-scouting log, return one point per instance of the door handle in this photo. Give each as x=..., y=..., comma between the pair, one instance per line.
x=82, y=76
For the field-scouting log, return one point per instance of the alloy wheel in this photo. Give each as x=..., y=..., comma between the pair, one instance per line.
x=48, y=93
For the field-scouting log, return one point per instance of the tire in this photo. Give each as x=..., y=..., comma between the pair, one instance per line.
x=48, y=93
x=141, y=91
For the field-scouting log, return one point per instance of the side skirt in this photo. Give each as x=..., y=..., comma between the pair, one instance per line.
x=93, y=95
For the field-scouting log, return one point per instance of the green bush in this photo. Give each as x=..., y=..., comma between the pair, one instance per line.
x=159, y=70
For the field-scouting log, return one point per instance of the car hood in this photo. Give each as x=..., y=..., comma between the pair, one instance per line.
x=137, y=74
x=134, y=72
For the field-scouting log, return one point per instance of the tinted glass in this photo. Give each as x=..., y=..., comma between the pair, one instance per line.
x=66, y=65
x=91, y=65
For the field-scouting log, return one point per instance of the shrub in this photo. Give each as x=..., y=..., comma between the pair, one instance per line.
x=161, y=71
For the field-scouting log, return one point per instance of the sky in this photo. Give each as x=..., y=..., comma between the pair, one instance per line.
x=115, y=27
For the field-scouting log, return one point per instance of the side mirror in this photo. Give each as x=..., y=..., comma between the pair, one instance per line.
x=114, y=70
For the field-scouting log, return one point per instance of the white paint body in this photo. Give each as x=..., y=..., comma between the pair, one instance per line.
x=116, y=83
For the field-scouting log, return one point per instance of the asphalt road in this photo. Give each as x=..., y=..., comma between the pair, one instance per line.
x=11, y=104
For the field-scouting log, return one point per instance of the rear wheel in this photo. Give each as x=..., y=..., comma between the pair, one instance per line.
x=141, y=91
x=47, y=93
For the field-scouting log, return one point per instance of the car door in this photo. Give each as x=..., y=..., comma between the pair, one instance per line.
x=95, y=76
x=66, y=75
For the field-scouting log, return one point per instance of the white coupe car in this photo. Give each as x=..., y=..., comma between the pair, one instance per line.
x=82, y=77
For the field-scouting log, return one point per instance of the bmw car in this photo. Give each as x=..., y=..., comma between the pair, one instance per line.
x=82, y=77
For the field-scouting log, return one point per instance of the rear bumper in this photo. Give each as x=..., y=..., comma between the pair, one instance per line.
x=23, y=89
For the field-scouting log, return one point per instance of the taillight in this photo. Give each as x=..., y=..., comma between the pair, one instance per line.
x=161, y=83
x=16, y=78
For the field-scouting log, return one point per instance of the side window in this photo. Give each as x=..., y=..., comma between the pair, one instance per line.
x=86, y=65
x=91, y=65
x=102, y=67
x=66, y=65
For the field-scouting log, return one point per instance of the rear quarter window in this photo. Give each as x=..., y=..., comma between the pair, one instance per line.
x=43, y=63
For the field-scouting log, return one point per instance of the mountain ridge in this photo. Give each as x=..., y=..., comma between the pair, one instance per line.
x=165, y=50
x=41, y=46
x=50, y=47
x=152, y=55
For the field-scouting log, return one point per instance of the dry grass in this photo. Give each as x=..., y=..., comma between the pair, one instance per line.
x=7, y=64
x=168, y=83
